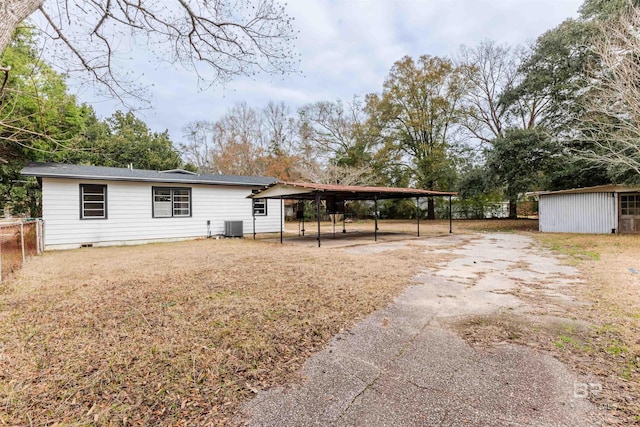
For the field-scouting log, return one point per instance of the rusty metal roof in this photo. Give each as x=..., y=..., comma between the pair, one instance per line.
x=305, y=190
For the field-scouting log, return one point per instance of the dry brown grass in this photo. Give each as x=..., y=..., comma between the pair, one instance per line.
x=497, y=225
x=428, y=227
x=611, y=265
x=180, y=333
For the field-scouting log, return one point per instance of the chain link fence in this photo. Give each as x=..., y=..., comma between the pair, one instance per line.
x=18, y=241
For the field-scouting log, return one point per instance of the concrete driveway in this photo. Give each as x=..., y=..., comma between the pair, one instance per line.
x=406, y=366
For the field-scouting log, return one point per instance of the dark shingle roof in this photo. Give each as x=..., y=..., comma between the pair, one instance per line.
x=59, y=170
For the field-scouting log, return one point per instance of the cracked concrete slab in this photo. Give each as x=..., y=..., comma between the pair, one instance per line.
x=402, y=366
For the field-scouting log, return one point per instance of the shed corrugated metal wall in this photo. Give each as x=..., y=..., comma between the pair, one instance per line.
x=592, y=213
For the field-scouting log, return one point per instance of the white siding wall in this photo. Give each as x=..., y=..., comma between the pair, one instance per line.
x=594, y=213
x=129, y=213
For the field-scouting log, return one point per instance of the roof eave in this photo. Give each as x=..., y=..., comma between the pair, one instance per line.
x=596, y=189
x=139, y=179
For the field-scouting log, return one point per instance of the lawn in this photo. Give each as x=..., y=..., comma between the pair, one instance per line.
x=183, y=333
x=611, y=347
x=176, y=333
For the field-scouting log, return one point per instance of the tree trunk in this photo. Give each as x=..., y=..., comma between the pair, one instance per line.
x=431, y=208
x=12, y=13
x=513, y=208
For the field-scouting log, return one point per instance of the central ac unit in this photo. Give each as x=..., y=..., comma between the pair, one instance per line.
x=233, y=229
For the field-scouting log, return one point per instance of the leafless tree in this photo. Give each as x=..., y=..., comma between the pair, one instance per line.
x=218, y=39
x=249, y=141
x=198, y=146
x=231, y=145
x=280, y=129
x=490, y=70
x=335, y=174
x=335, y=129
x=611, y=126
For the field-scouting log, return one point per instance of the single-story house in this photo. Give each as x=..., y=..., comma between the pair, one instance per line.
x=100, y=206
x=603, y=209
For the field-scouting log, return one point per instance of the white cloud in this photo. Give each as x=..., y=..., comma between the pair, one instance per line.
x=347, y=48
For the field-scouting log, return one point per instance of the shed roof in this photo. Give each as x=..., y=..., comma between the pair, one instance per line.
x=304, y=190
x=611, y=188
x=60, y=170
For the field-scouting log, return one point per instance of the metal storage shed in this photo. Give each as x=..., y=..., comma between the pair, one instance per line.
x=603, y=209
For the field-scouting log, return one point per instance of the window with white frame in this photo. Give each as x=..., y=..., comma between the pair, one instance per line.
x=171, y=202
x=259, y=207
x=93, y=201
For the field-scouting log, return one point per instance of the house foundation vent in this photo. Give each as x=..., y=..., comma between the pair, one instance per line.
x=233, y=229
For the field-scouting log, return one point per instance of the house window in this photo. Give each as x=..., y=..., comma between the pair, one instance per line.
x=93, y=201
x=259, y=207
x=171, y=202
x=630, y=205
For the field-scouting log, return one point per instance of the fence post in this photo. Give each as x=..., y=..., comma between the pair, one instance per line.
x=0, y=258
x=22, y=241
x=37, y=225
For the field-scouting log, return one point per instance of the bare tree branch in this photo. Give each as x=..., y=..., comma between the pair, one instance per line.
x=489, y=70
x=335, y=174
x=218, y=39
x=611, y=127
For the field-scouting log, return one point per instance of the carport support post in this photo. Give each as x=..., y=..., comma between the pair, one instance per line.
x=418, y=213
x=300, y=209
x=334, y=225
x=253, y=214
x=318, y=214
x=281, y=219
x=22, y=241
x=450, y=217
x=375, y=218
x=344, y=218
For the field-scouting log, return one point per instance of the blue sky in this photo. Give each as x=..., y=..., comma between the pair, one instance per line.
x=346, y=48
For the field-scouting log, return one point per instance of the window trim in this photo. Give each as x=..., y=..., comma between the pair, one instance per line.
x=171, y=190
x=104, y=192
x=626, y=208
x=253, y=206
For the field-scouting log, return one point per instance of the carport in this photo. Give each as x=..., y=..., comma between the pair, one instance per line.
x=336, y=195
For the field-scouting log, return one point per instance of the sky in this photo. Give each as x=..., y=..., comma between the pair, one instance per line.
x=346, y=48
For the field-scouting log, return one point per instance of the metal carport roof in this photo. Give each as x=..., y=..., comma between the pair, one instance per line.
x=341, y=193
x=308, y=191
